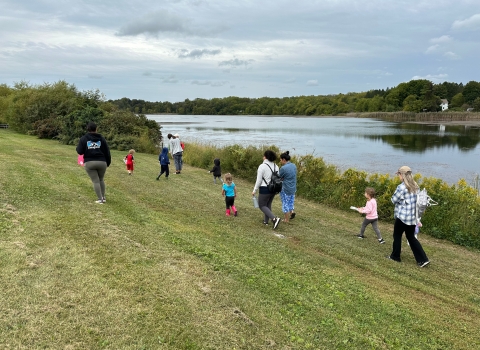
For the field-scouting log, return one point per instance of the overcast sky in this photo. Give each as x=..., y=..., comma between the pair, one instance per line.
x=170, y=50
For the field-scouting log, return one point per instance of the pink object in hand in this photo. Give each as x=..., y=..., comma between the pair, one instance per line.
x=80, y=160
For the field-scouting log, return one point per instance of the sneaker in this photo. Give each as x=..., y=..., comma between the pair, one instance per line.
x=360, y=236
x=104, y=200
x=100, y=201
x=276, y=222
x=158, y=178
x=236, y=213
x=389, y=257
x=381, y=241
x=292, y=216
x=265, y=223
x=423, y=264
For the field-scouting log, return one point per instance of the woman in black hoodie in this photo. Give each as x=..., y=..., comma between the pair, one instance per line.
x=97, y=158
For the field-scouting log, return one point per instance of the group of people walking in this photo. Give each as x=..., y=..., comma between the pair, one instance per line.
x=97, y=159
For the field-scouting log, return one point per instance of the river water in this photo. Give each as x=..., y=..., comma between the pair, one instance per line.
x=449, y=152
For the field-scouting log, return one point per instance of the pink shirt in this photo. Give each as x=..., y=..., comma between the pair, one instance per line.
x=370, y=209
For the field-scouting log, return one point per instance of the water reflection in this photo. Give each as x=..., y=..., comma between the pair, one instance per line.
x=420, y=137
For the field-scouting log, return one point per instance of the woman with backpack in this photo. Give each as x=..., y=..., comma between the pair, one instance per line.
x=265, y=196
x=405, y=214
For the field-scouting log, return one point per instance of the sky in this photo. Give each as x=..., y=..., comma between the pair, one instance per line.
x=171, y=50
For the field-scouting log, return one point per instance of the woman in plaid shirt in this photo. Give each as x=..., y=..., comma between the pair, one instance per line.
x=405, y=200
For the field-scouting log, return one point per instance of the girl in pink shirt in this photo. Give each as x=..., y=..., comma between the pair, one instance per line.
x=372, y=217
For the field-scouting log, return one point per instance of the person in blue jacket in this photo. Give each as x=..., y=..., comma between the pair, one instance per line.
x=288, y=172
x=164, y=161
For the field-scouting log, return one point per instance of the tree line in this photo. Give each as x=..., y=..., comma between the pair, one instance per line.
x=414, y=96
x=59, y=111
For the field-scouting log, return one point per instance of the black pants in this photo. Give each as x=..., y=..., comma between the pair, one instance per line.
x=164, y=169
x=229, y=201
x=398, y=228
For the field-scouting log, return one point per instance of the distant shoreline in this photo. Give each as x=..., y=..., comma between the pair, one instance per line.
x=472, y=122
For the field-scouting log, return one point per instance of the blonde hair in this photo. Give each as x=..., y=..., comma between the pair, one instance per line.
x=132, y=151
x=370, y=191
x=228, y=177
x=409, y=182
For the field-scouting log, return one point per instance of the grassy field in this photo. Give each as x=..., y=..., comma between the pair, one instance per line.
x=159, y=266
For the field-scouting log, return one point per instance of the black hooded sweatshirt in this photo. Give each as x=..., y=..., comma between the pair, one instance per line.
x=216, y=170
x=93, y=146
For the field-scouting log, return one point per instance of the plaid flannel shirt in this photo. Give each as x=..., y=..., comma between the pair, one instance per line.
x=405, y=205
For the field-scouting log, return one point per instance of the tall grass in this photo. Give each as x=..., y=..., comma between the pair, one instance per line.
x=159, y=266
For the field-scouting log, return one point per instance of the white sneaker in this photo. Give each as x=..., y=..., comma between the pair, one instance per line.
x=100, y=201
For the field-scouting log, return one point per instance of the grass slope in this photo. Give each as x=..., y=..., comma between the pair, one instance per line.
x=160, y=267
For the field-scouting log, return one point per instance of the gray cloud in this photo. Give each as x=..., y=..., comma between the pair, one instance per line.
x=198, y=53
x=155, y=23
x=236, y=62
x=210, y=83
x=170, y=79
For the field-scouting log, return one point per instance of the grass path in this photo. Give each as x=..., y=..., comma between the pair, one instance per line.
x=159, y=266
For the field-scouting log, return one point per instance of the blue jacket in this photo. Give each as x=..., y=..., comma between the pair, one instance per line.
x=289, y=174
x=163, y=157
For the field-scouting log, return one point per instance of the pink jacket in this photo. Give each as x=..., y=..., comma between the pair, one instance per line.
x=370, y=209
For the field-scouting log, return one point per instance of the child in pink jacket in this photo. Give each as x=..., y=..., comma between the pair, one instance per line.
x=372, y=217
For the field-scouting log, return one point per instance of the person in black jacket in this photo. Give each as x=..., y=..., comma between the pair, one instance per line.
x=216, y=170
x=97, y=158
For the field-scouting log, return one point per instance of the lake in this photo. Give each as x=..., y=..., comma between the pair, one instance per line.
x=449, y=152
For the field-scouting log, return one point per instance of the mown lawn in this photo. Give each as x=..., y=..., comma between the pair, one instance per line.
x=159, y=266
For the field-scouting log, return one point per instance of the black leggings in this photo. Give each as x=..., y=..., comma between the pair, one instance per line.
x=229, y=201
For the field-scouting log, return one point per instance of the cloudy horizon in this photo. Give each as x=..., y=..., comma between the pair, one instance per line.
x=179, y=49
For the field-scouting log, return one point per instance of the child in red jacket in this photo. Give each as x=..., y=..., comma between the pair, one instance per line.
x=130, y=161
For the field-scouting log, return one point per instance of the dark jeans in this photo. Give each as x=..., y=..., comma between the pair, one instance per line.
x=177, y=157
x=398, y=228
x=164, y=169
x=265, y=205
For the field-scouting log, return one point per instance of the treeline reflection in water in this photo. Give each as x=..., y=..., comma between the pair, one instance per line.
x=421, y=137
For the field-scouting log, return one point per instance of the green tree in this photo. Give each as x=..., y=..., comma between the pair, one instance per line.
x=471, y=91
x=476, y=104
x=412, y=104
x=457, y=101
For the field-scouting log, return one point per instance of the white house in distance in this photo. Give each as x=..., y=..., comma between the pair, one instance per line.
x=444, y=104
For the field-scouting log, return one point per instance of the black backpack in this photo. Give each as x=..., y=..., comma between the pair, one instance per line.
x=276, y=182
